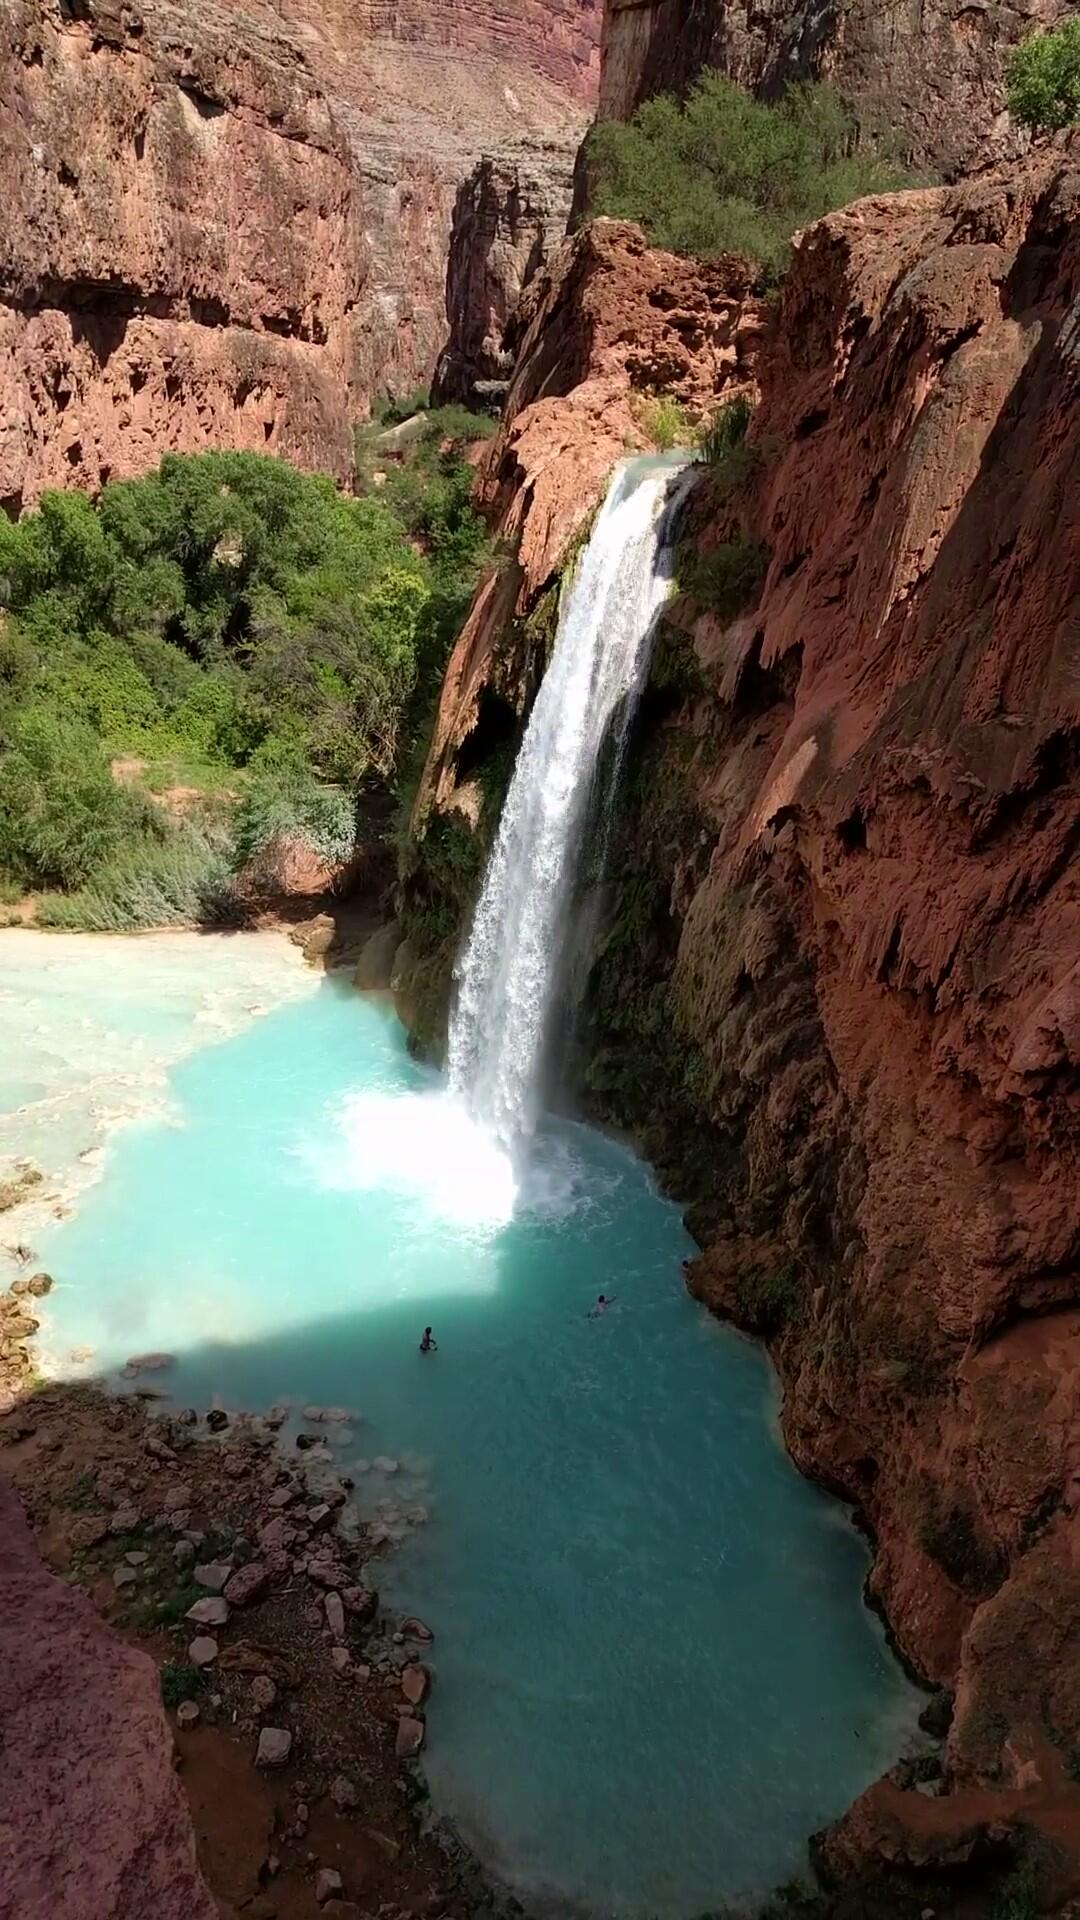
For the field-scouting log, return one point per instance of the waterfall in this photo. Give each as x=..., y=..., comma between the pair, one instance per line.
x=510, y=972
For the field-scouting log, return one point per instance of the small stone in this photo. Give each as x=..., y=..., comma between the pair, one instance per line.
x=320, y=1517
x=410, y=1737
x=217, y=1420
x=335, y=1615
x=276, y=1418
x=263, y=1692
x=136, y=1559
x=344, y=1794
x=212, y=1575
x=203, y=1650
x=124, y=1520
x=415, y=1683
x=183, y=1553
x=247, y=1584
x=398, y=1639
x=414, y=1629
x=176, y=1498
x=187, y=1714
x=306, y=1440
x=39, y=1284
x=124, y=1577
x=343, y=1910
x=211, y=1612
x=361, y=1672
x=283, y=1497
x=274, y=1748
x=328, y=1882
x=340, y=1659
x=187, y=1417
x=261, y=1908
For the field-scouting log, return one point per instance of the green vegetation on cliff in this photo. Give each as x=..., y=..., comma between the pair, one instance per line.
x=722, y=172
x=230, y=627
x=1044, y=79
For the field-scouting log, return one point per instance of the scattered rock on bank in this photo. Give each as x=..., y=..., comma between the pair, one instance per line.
x=274, y=1748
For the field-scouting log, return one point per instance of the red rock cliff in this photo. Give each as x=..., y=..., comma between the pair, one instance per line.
x=230, y=226
x=930, y=69
x=839, y=996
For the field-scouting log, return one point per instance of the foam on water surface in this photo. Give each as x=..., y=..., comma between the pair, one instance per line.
x=655, y=1675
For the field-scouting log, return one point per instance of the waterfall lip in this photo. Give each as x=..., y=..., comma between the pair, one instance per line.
x=564, y=783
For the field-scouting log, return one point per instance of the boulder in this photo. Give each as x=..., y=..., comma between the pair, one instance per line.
x=203, y=1650
x=376, y=963
x=414, y=1629
x=124, y=1577
x=212, y=1574
x=247, y=1584
x=328, y=1882
x=217, y=1420
x=87, y=1531
x=361, y=1602
x=335, y=1615
x=415, y=1683
x=39, y=1284
x=274, y=1748
x=410, y=1737
x=211, y=1612
x=344, y=1793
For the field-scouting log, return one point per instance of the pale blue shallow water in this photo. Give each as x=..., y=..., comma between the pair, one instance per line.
x=655, y=1674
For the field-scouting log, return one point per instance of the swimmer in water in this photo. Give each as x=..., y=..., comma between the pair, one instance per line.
x=427, y=1344
x=604, y=1301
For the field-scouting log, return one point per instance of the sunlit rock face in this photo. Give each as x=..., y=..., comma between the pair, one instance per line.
x=232, y=227
x=931, y=70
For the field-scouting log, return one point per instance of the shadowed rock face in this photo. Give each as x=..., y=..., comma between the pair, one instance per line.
x=930, y=69
x=231, y=226
x=87, y=1753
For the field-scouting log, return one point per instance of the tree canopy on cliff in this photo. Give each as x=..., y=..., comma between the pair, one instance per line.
x=227, y=620
x=722, y=172
x=1044, y=79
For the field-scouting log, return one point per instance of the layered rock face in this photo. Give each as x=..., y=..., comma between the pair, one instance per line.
x=87, y=1752
x=930, y=69
x=838, y=996
x=231, y=226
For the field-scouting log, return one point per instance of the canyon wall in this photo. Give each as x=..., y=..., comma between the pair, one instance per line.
x=837, y=995
x=231, y=225
x=930, y=69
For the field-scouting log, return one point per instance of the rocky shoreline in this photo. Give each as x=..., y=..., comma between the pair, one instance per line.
x=238, y=1570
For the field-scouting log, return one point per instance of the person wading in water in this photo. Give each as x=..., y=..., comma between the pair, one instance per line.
x=427, y=1344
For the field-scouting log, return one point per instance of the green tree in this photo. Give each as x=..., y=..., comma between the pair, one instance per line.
x=1044, y=79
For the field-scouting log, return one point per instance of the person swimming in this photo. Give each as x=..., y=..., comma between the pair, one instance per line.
x=427, y=1344
x=603, y=1302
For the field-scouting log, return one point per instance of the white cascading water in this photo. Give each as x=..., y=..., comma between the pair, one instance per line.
x=509, y=974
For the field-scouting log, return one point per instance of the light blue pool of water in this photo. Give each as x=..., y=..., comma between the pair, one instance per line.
x=655, y=1674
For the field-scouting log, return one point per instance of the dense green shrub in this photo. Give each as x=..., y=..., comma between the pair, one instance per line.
x=61, y=813
x=727, y=580
x=725, y=173
x=293, y=806
x=663, y=420
x=1044, y=79
x=180, y=881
